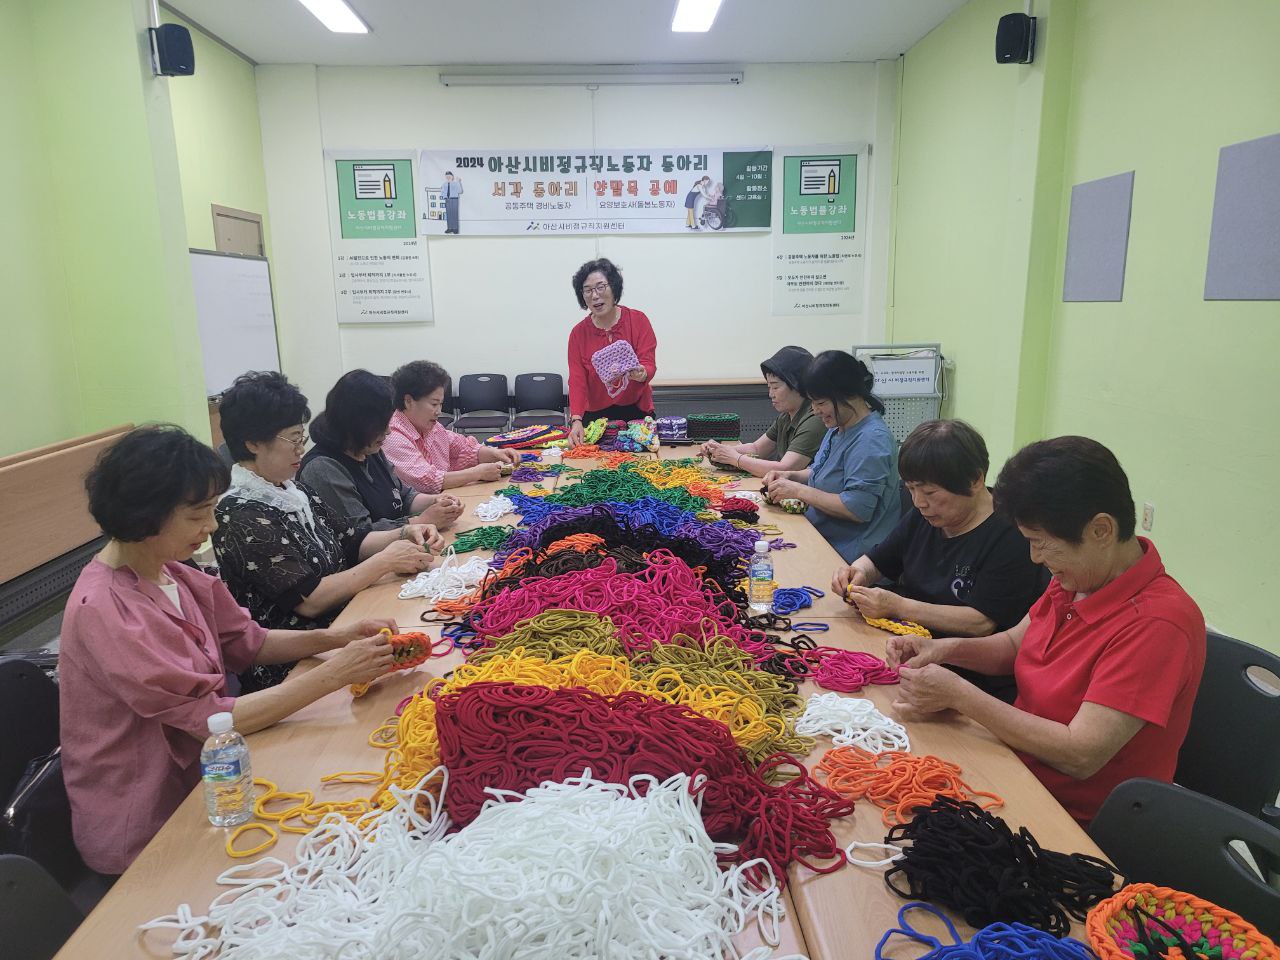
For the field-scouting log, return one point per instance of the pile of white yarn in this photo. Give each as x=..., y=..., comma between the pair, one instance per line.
x=851, y=722
x=579, y=869
x=495, y=508
x=449, y=581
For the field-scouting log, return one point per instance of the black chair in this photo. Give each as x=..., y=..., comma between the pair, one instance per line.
x=36, y=915
x=1168, y=835
x=35, y=814
x=28, y=719
x=539, y=398
x=1229, y=753
x=481, y=404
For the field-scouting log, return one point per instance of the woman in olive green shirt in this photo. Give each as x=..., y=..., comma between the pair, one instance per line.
x=794, y=438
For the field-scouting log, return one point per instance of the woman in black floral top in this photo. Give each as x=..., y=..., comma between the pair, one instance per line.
x=282, y=552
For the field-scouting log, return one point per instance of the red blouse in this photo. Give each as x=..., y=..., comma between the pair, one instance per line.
x=586, y=389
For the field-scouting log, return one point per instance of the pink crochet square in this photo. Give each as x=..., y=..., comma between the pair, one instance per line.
x=613, y=363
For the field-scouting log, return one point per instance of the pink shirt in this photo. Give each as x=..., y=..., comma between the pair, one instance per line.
x=422, y=461
x=139, y=682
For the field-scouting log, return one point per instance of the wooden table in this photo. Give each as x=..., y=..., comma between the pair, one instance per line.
x=829, y=917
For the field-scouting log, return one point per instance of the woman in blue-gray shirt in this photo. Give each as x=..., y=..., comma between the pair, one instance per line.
x=852, y=488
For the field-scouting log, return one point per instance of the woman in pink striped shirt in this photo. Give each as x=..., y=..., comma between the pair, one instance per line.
x=425, y=455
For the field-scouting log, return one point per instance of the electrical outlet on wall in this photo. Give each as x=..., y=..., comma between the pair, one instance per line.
x=1148, y=515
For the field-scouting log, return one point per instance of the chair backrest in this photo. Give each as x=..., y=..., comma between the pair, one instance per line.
x=1230, y=751
x=481, y=391
x=539, y=391
x=1168, y=835
x=37, y=917
x=28, y=719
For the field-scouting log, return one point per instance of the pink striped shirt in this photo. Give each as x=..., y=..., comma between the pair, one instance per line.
x=422, y=461
x=139, y=681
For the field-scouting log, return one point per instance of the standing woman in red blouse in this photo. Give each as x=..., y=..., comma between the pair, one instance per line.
x=598, y=286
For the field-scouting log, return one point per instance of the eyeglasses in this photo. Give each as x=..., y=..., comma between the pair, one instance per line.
x=299, y=443
x=599, y=288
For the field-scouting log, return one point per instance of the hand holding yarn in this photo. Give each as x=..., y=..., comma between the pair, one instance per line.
x=363, y=660
x=442, y=513
x=485, y=472
x=405, y=557
x=341, y=636
x=873, y=602
x=928, y=689
x=915, y=651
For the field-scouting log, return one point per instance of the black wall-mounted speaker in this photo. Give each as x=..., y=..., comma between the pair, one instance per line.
x=174, y=55
x=1015, y=38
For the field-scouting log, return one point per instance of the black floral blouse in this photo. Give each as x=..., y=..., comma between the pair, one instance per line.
x=272, y=561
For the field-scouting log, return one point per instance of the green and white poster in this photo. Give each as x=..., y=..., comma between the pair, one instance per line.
x=375, y=198
x=380, y=269
x=818, y=252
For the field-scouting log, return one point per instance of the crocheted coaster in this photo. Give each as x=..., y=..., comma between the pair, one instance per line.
x=613, y=363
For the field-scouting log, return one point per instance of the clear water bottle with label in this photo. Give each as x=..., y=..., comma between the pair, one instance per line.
x=760, y=579
x=228, y=777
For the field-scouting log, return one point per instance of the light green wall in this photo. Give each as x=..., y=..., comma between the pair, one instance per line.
x=215, y=123
x=1184, y=391
x=971, y=147
x=101, y=257
x=39, y=388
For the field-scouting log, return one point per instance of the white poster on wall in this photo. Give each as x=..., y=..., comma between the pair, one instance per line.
x=589, y=191
x=819, y=229
x=380, y=268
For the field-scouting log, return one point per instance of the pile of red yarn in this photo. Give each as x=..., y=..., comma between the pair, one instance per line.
x=514, y=737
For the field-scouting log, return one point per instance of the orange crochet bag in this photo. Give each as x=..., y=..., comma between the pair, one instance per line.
x=1115, y=923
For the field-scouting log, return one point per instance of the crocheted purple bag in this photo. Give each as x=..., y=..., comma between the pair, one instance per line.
x=613, y=363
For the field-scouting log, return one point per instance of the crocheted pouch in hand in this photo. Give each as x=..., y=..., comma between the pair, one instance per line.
x=613, y=363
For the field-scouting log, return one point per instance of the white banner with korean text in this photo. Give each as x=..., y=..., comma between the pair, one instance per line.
x=590, y=191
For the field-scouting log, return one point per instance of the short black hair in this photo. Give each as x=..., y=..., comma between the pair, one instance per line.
x=840, y=377
x=257, y=407
x=356, y=411
x=1059, y=485
x=416, y=379
x=611, y=273
x=141, y=479
x=946, y=453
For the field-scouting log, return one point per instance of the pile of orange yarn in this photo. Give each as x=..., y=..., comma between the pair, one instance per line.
x=896, y=781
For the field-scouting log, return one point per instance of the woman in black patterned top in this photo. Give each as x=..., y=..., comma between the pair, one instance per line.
x=282, y=552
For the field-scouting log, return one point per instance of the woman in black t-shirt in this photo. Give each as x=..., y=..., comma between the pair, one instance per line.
x=953, y=564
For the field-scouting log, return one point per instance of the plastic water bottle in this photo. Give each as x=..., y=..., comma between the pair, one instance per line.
x=228, y=777
x=760, y=579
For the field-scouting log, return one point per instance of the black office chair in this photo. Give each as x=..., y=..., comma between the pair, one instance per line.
x=539, y=398
x=481, y=404
x=28, y=719
x=36, y=915
x=1229, y=753
x=35, y=814
x=1168, y=835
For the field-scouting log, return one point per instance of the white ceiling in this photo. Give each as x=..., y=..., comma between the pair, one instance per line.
x=570, y=31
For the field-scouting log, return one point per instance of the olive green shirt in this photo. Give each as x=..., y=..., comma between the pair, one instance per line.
x=800, y=434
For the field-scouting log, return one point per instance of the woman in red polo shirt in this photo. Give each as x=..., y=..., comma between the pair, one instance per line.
x=598, y=286
x=1107, y=662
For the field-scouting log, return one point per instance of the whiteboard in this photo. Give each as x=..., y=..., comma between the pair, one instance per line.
x=234, y=313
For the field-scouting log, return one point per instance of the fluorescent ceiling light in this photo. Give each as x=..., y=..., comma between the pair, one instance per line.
x=336, y=15
x=694, y=16
x=588, y=76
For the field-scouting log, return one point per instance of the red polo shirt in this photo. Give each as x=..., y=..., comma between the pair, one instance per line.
x=1137, y=646
x=586, y=389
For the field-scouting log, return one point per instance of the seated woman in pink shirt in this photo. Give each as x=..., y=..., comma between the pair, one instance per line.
x=148, y=643
x=425, y=455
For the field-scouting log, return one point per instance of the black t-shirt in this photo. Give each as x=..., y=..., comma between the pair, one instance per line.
x=989, y=568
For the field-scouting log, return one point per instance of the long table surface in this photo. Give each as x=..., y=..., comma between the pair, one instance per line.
x=833, y=916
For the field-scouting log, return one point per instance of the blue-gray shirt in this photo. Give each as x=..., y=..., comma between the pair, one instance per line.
x=859, y=463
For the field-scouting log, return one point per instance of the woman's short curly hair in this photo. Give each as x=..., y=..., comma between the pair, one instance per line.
x=257, y=407
x=141, y=479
